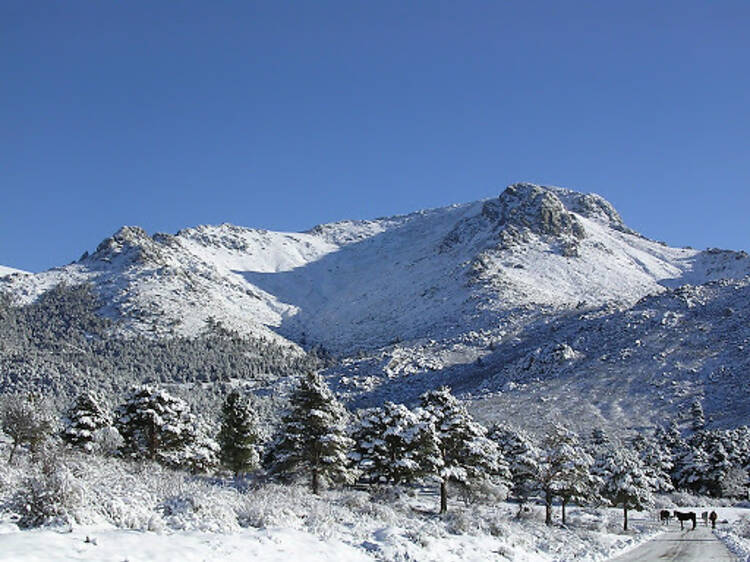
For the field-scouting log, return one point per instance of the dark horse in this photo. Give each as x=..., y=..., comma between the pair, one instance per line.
x=689, y=516
x=664, y=516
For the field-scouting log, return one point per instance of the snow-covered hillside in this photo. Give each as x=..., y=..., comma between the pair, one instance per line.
x=434, y=275
x=539, y=294
x=4, y=271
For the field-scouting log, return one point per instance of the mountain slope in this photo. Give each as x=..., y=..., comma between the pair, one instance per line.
x=4, y=271
x=613, y=367
x=479, y=267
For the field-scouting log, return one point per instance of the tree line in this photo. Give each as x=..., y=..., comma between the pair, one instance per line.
x=436, y=441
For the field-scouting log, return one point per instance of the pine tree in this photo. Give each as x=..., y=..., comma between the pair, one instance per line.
x=656, y=459
x=395, y=445
x=598, y=442
x=158, y=426
x=698, y=421
x=576, y=483
x=565, y=471
x=312, y=438
x=84, y=418
x=523, y=457
x=624, y=482
x=238, y=438
x=466, y=453
x=691, y=465
x=719, y=463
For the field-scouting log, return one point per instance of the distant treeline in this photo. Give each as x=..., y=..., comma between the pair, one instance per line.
x=60, y=345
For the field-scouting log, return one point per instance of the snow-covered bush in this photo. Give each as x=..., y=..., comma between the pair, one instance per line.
x=106, y=441
x=28, y=421
x=50, y=494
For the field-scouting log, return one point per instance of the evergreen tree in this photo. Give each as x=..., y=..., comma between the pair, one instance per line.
x=735, y=483
x=523, y=457
x=575, y=483
x=27, y=421
x=718, y=464
x=158, y=426
x=624, y=482
x=238, y=437
x=312, y=438
x=466, y=453
x=564, y=471
x=84, y=418
x=395, y=445
x=698, y=421
x=657, y=461
x=598, y=442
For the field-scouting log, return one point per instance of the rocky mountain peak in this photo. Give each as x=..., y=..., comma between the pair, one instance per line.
x=523, y=209
x=130, y=243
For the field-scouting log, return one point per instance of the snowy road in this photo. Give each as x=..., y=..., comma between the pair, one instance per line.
x=696, y=545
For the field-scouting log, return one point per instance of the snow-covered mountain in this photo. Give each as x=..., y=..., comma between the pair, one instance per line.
x=469, y=294
x=363, y=284
x=4, y=271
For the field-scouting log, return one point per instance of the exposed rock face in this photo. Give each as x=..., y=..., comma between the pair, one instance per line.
x=525, y=209
x=593, y=206
x=130, y=244
x=539, y=210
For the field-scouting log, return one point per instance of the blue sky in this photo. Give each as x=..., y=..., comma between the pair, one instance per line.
x=282, y=115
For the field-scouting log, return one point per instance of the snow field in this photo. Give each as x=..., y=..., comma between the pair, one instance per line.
x=142, y=512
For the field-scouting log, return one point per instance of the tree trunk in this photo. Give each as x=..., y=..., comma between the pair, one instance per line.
x=625, y=524
x=564, y=501
x=12, y=452
x=315, y=482
x=443, y=497
x=548, y=508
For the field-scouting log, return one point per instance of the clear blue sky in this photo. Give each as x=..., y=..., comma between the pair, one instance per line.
x=282, y=115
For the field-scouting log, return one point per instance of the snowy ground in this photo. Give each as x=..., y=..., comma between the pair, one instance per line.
x=523, y=542
x=143, y=512
x=352, y=526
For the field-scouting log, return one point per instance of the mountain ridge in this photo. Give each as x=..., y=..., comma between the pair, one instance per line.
x=532, y=246
x=466, y=295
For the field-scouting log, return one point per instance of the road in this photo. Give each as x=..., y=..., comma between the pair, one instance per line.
x=697, y=545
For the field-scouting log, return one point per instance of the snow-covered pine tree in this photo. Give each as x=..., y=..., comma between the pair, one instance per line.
x=239, y=438
x=86, y=416
x=656, y=459
x=698, y=419
x=624, y=482
x=598, y=441
x=522, y=456
x=576, y=483
x=565, y=471
x=158, y=426
x=312, y=438
x=691, y=465
x=467, y=454
x=716, y=445
x=395, y=445
x=735, y=483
